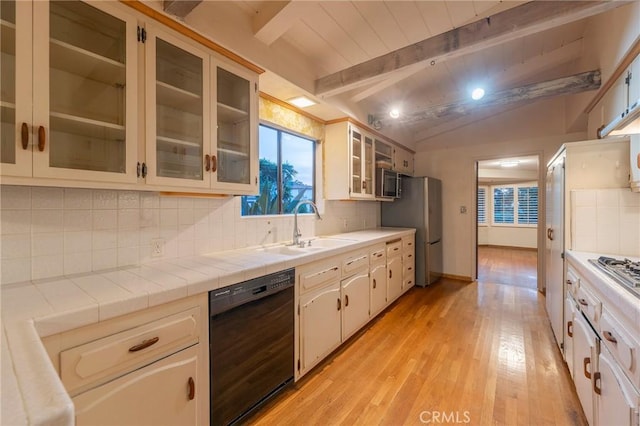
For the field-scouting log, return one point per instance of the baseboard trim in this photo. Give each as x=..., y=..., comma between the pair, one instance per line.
x=457, y=277
x=509, y=247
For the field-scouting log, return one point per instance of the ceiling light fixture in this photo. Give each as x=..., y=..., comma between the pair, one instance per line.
x=477, y=94
x=301, y=102
x=509, y=163
x=394, y=113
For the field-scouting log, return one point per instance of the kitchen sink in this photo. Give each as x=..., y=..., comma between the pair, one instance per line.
x=317, y=244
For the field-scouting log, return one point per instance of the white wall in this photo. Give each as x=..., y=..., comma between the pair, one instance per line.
x=538, y=128
x=49, y=232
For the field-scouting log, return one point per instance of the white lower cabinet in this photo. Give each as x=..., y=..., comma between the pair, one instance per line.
x=378, y=280
x=162, y=393
x=355, y=298
x=394, y=278
x=616, y=399
x=320, y=319
x=570, y=315
x=585, y=352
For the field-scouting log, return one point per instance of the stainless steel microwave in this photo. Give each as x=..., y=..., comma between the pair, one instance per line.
x=388, y=183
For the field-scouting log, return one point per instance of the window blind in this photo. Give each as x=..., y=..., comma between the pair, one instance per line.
x=503, y=205
x=482, y=206
x=528, y=205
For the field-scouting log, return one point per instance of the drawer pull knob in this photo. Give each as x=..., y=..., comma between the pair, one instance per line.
x=570, y=328
x=144, y=345
x=192, y=389
x=596, y=383
x=610, y=337
x=583, y=302
x=585, y=364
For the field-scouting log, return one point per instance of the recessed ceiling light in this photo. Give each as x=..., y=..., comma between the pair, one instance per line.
x=509, y=163
x=301, y=102
x=394, y=113
x=477, y=93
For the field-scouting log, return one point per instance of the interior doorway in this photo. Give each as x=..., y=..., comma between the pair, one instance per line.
x=507, y=212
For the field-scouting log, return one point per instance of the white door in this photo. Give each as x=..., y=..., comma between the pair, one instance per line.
x=320, y=319
x=355, y=299
x=618, y=401
x=177, y=111
x=394, y=278
x=85, y=91
x=162, y=393
x=584, y=360
x=554, y=248
x=16, y=129
x=378, y=279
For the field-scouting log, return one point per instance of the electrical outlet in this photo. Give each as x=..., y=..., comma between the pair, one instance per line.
x=157, y=247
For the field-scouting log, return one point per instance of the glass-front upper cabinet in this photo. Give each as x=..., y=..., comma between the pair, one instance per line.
x=15, y=87
x=177, y=113
x=235, y=163
x=84, y=91
x=361, y=164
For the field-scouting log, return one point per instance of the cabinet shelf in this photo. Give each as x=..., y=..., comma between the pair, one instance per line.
x=7, y=105
x=231, y=114
x=94, y=129
x=178, y=98
x=233, y=152
x=75, y=60
x=178, y=142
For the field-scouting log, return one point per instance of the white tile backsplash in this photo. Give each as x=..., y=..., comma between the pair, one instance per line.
x=606, y=221
x=50, y=232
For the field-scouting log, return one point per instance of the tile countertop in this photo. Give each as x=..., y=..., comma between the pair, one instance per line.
x=609, y=290
x=32, y=393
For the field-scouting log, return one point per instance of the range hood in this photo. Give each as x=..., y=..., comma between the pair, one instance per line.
x=626, y=123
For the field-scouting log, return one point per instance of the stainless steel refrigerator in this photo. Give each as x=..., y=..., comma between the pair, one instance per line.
x=420, y=207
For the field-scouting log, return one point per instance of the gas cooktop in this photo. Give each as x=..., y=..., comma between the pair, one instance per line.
x=623, y=271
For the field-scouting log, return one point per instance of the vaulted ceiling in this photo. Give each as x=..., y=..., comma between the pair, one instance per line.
x=361, y=58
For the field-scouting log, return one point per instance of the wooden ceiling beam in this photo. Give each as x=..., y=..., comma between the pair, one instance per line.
x=180, y=8
x=562, y=86
x=275, y=18
x=520, y=21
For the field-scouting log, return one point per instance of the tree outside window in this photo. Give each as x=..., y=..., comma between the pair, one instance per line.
x=287, y=174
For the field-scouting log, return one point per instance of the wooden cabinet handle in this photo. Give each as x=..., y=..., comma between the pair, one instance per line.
x=214, y=163
x=596, y=383
x=144, y=345
x=144, y=170
x=610, y=337
x=42, y=138
x=585, y=363
x=138, y=166
x=374, y=283
x=207, y=162
x=346, y=300
x=390, y=273
x=570, y=328
x=551, y=234
x=638, y=160
x=192, y=388
x=24, y=135
x=583, y=302
x=339, y=304
x=569, y=282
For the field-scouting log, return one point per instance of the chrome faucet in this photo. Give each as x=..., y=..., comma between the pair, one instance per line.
x=296, y=230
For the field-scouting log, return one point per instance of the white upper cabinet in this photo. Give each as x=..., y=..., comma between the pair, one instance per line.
x=74, y=110
x=75, y=98
x=177, y=106
x=234, y=160
x=402, y=161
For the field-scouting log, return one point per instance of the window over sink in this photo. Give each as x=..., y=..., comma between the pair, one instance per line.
x=287, y=173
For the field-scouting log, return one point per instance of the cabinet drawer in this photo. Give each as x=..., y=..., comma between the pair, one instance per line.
x=378, y=255
x=355, y=262
x=408, y=268
x=621, y=345
x=573, y=282
x=318, y=274
x=408, y=243
x=114, y=355
x=394, y=248
x=589, y=304
x=408, y=258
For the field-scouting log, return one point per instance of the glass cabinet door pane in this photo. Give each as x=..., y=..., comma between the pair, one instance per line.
x=356, y=162
x=234, y=130
x=87, y=79
x=368, y=165
x=179, y=112
x=7, y=82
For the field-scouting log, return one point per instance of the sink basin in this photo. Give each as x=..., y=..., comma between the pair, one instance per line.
x=317, y=244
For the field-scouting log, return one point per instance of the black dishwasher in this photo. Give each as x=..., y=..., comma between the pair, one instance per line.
x=251, y=344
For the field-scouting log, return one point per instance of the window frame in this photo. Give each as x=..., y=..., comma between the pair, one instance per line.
x=515, y=187
x=280, y=130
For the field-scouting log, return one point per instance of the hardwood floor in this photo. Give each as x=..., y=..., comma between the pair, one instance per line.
x=474, y=353
x=504, y=265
